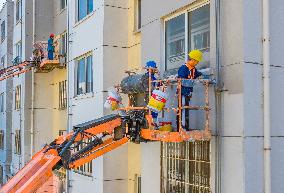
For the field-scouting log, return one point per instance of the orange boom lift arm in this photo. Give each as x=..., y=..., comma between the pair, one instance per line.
x=16, y=70
x=98, y=136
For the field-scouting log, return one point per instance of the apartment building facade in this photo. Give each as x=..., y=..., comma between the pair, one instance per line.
x=50, y=83
x=6, y=86
x=39, y=98
x=236, y=151
x=103, y=38
x=97, y=60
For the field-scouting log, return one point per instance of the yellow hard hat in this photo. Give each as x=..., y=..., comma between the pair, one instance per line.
x=196, y=55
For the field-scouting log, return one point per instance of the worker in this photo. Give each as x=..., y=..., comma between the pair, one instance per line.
x=151, y=67
x=50, y=47
x=188, y=72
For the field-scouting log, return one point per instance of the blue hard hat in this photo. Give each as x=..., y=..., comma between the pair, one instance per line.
x=151, y=64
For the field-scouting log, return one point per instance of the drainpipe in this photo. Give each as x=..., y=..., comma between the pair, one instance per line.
x=266, y=96
x=33, y=90
x=218, y=103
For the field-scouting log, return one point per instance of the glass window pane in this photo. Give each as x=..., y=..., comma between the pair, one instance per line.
x=2, y=102
x=81, y=78
x=2, y=62
x=63, y=44
x=199, y=31
x=175, y=42
x=17, y=10
x=2, y=30
x=90, y=6
x=89, y=74
x=63, y=4
x=82, y=9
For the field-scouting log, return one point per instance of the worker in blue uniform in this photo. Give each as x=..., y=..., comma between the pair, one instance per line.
x=50, y=47
x=187, y=72
x=151, y=67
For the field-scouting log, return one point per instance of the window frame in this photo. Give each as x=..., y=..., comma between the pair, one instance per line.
x=186, y=163
x=2, y=102
x=18, y=97
x=62, y=95
x=2, y=139
x=84, y=57
x=63, y=5
x=88, y=12
x=17, y=138
x=186, y=12
x=18, y=13
x=87, y=166
x=18, y=49
x=63, y=49
x=1, y=174
x=3, y=31
x=62, y=132
x=137, y=15
x=2, y=62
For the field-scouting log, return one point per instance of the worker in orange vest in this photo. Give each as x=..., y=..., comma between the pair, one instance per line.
x=188, y=72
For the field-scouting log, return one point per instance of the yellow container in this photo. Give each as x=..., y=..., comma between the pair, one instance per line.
x=166, y=128
x=157, y=101
x=114, y=105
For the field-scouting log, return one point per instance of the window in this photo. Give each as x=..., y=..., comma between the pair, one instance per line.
x=18, y=10
x=19, y=51
x=198, y=28
x=63, y=44
x=86, y=169
x=17, y=142
x=2, y=62
x=63, y=4
x=186, y=167
x=18, y=97
x=3, y=31
x=62, y=132
x=85, y=75
x=89, y=73
x=85, y=7
x=1, y=175
x=137, y=186
x=199, y=36
x=2, y=102
x=137, y=14
x=63, y=95
x=175, y=42
x=2, y=139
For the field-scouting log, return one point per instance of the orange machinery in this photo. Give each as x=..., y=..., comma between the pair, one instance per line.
x=99, y=137
x=104, y=134
x=15, y=70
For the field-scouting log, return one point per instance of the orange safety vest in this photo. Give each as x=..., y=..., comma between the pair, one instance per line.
x=191, y=71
